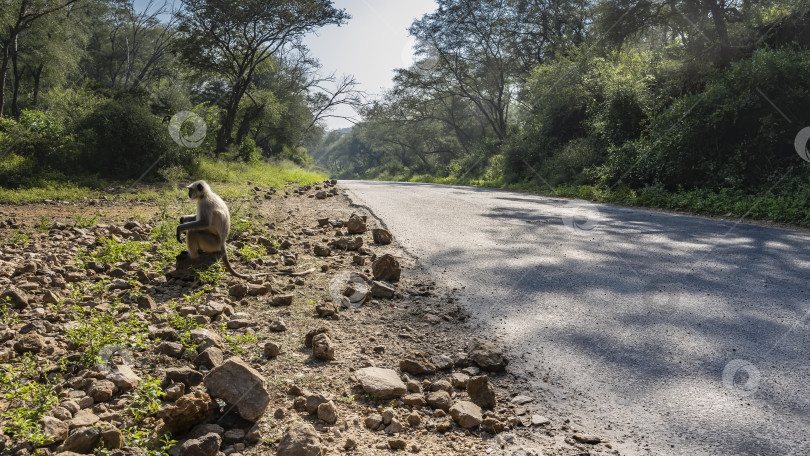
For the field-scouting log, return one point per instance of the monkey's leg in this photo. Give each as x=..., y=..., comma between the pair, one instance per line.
x=205, y=242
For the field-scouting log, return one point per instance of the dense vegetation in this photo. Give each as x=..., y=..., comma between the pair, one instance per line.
x=96, y=90
x=686, y=104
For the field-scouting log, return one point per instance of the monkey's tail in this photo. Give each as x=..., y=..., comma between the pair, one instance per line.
x=229, y=267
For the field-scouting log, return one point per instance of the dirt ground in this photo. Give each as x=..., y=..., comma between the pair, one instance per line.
x=378, y=332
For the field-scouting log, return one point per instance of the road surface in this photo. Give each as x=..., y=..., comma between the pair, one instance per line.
x=666, y=334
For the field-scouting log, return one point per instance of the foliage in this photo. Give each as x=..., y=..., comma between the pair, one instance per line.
x=97, y=329
x=145, y=399
x=29, y=396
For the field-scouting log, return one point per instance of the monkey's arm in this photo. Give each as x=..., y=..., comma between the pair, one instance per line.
x=188, y=218
x=196, y=224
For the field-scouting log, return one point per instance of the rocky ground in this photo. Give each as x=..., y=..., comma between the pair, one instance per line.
x=337, y=344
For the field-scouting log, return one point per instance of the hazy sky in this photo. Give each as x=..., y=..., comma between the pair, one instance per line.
x=370, y=46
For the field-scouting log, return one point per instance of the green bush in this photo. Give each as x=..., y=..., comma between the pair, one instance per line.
x=728, y=136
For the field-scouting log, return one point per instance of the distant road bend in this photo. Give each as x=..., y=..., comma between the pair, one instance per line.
x=665, y=334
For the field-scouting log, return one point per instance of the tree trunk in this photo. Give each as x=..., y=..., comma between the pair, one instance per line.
x=37, y=78
x=15, y=107
x=224, y=136
x=3, y=73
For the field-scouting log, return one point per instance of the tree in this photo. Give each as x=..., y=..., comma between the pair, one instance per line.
x=231, y=39
x=16, y=16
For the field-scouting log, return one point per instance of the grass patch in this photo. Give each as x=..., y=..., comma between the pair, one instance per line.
x=97, y=330
x=229, y=180
x=29, y=396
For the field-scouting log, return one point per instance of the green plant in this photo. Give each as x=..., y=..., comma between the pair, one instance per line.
x=29, y=398
x=250, y=252
x=183, y=325
x=18, y=237
x=97, y=330
x=112, y=251
x=8, y=316
x=145, y=399
x=210, y=275
x=236, y=342
x=148, y=441
x=44, y=224
x=85, y=221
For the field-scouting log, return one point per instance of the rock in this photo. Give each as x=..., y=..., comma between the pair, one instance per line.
x=239, y=323
x=373, y=421
x=492, y=425
x=300, y=439
x=312, y=401
x=442, y=385
x=188, y=411
x=54, y=428
x=175, y=391
x=205, y=338
x=203, y=429
x=113, y=438
x=83, y=418
x=386, y=268
x=355, y=225
x=172, y=349
x=466, y=414
x=439, y=400
x=382, y=383
x=381, y=236
x=102, y=390
x=233, y=381
x=414, y=419
x=397, y=444
x=328, y=412
x=442, y=362
x=185, y=375
x=540, y=420
x=145, y=302
x=81, y=440
x=349, y=444
x=347, y=244
x=207, y=445
x=271, y=350
x=18, y=298
x=382, y=290
x=587, y=438
x=50, y=297
x=481, y=392
x=123, y=377
x=211, y=309
x=282, y=300
x=322, y=347
x=277, y=326
x=320, y=195
x=522, y=399
x=322, y=250
x=238, y=291
x=488, y=357
x=312, y=333
x=326, y=309
x=459, y=380
x=414, y=400
x=29, y=343
x=234, y=436
x=416, y=363
x=210, y=358
x=388, y=416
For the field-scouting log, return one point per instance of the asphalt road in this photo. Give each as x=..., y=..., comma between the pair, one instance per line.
x=666, y=334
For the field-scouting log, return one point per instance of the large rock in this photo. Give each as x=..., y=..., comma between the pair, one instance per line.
x=439, y=400
x=417, y=363
x=381, y=236
x=386, y=268
x=210, y=358
x=466, y=414
x=488, y=357
x=207, y=445
x=81, y=440
x=55, y=429
x=322, y=347
x=350, y=244
x=185, y=375
x=382, y=290
x=356, y=225
x=102, y=390
x=239, y=385
x=18, y=298
x=187, y=412
x=328, y=412
x=382, y=383
x=123, y=377
x=207, y=338
x=300, y=439
x=481, y=392
x=30, y=343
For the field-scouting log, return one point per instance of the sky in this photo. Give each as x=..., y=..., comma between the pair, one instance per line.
x=370, y=46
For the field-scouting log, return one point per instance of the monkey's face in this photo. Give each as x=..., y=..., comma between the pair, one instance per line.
x=196, y=190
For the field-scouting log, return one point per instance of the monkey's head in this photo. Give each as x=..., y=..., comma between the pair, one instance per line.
x=198, y=189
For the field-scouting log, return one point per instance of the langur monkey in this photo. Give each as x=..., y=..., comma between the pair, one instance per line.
x=207, y=230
